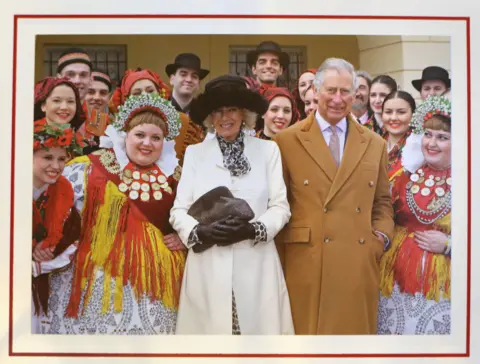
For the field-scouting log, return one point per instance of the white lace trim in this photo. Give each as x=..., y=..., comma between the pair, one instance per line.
x=116, y=139
x=412, y=156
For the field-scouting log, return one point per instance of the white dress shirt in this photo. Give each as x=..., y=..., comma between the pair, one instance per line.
x=341, y=131
x=364, y=118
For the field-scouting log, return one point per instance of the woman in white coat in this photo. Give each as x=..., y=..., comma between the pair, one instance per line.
x=236, y=284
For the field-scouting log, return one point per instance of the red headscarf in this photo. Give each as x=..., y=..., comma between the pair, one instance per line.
x=44, y=88
x=296, y=94
x=131, y=76
x=310, y=70
x=273, y=92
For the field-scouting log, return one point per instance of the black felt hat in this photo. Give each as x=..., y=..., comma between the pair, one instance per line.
x=222, y=91
x=268, y=47
x=430, y=74
x=187, y=60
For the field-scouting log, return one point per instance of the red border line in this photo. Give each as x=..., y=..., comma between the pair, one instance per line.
x=236, y=16
x=469, y=190
x=12, y=186
x=201, y=355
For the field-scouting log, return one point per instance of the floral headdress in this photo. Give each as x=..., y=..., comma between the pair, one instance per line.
x=148, y=102
x=412, y=156
x=48, y=136
x=433, y=105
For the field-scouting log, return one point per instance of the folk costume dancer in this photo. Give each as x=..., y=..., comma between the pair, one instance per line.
x=55, y=222
x=416, y=270
x=127, y=273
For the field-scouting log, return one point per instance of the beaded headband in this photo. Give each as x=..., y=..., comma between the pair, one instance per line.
x=101, y=75
x=70, y=56
x=433, y=105
x=135, y=104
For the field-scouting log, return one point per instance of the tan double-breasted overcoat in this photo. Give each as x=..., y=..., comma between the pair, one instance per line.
x=329, y=250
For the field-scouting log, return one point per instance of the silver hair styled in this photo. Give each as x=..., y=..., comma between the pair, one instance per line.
x=337, y=64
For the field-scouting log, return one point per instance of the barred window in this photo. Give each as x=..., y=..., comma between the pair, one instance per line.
x=111, y=59
x=238, y=64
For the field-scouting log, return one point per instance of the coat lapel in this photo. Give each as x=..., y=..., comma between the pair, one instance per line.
x=311, y=138
x=355, y=147
x=214, y=153
x=249, y=149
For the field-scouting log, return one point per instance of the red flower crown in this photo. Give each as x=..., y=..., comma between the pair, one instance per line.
x=46, y=136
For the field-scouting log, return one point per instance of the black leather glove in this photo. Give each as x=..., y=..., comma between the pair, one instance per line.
x=238, y=230
x=216, y=232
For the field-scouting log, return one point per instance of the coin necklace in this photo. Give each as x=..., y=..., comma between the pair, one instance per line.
x=438, y=182
x=144, y=185
x=441, y=207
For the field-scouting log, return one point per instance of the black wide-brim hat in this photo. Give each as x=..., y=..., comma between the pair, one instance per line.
x=432, y=73
x=187, y=60
x=268, y=47
x=223, y=91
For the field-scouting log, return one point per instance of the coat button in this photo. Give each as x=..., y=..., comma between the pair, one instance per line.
x=361, y=241
x=371, y=183
x=326, y=240
x=325, y=209
x=357, y=209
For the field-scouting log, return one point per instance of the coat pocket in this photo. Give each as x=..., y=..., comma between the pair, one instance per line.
x=368, y=166
x=297, y=235
x=378, y=246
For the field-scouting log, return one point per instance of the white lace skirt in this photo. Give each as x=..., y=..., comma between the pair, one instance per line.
x=138, y=317
x=404, y=314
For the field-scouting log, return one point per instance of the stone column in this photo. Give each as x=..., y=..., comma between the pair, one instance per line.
x=403, y=57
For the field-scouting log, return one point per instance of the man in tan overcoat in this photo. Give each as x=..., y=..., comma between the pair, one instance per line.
x=342, y=216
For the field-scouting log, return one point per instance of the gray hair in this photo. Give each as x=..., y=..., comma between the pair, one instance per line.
x=337, y=64
x=364, y=75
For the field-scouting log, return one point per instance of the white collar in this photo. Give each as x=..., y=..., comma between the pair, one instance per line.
x=37, y=192
x=324, y=125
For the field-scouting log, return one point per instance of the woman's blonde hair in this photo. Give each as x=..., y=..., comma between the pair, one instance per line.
x=249, y=118
x=148, y=117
